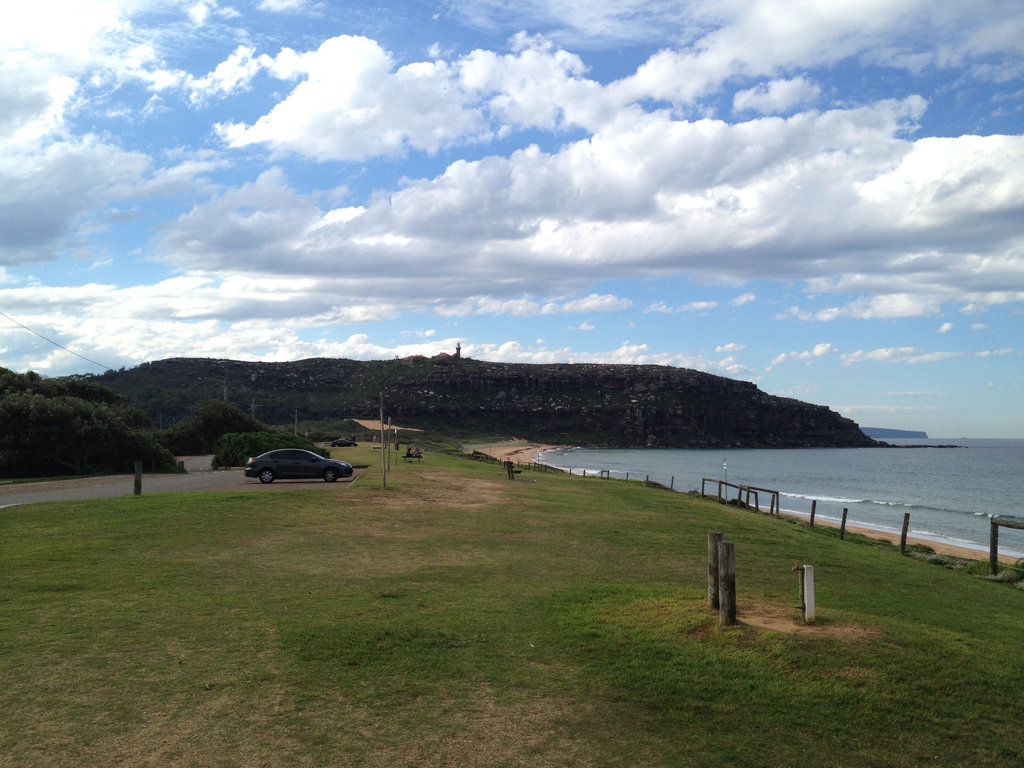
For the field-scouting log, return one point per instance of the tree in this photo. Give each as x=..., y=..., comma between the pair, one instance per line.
x=198, y=433
x=56, y=427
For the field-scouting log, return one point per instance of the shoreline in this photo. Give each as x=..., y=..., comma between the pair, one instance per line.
x=526, y=452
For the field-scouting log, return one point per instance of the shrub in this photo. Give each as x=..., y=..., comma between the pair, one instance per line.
x=234, y=448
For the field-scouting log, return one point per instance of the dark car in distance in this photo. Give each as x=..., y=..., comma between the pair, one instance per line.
x=295, y=463
x=343, y=442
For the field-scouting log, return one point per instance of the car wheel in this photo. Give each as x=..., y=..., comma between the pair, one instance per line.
x=266, y=475
x=330, y=475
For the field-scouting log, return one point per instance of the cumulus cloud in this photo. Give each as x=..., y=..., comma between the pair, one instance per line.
x=806, y=356
x=730, y=348
x=814, y=197
x=235, y=72
x=353, y=101
x=776, y=96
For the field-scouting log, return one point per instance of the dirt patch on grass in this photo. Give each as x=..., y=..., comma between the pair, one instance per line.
x=689, y=618
x=785, y=619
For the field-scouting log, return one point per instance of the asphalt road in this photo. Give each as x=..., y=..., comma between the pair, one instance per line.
x=199, y=477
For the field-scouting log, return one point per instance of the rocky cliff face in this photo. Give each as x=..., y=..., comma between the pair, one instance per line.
x=603, y=405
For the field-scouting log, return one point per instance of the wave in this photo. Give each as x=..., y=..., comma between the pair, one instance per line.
x=815, y=497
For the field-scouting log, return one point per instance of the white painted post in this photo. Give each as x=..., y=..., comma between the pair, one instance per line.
x=808, y=594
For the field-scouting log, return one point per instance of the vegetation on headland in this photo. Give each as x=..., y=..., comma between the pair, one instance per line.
x=458, y=618
x=580, y=404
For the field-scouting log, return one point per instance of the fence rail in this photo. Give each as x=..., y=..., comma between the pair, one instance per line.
x=743, y=494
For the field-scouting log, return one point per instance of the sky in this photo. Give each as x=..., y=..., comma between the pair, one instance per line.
x=823, y=197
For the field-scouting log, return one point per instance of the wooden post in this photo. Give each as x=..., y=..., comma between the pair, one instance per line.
x=814, y=506
x=138, y=478
x=714, y=541
x=903, y=536
x=993, y=547
x=842, y=526
x=383, y=457
x=672, y=483
x=807, y=593
x=727, y=583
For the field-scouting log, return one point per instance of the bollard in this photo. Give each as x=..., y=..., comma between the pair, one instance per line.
x=814, y=506
x=714, y=540
x=903, y=535
x=808, y=593
x=842, y=527
x=138, y=478
x=727, y=583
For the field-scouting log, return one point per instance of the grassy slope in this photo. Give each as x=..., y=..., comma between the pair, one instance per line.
x=461, y=619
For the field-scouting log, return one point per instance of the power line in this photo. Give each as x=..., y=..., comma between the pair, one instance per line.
x=51, y=341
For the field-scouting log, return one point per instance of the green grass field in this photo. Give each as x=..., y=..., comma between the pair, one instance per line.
x=456, y=618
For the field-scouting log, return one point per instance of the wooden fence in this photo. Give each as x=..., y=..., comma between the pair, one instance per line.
x=993, y=540
x=743, y=494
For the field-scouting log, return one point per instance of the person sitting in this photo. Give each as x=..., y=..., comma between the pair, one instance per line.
x=416, y=454
x=408, y=453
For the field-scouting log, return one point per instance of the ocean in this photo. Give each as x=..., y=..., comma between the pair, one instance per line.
x=950, y=493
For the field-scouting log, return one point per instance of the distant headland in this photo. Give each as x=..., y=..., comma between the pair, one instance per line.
x=880, y=433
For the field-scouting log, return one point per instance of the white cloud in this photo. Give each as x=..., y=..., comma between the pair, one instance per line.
x=693, y=306
x=230, y=75
x=776, y=96
x=806, y=356
x=996, y=352
x=885, y=306
x=765, y=38
x=742, y=299
x=525, y=306
x=282, y=6
x=199, y=12
x=648, y=197
x=48, y=189
x=908, y=355
x=730, y=348
x=945, y=328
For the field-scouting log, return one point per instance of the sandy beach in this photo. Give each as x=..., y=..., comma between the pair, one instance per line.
x=519, y=451
x=525, y=452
